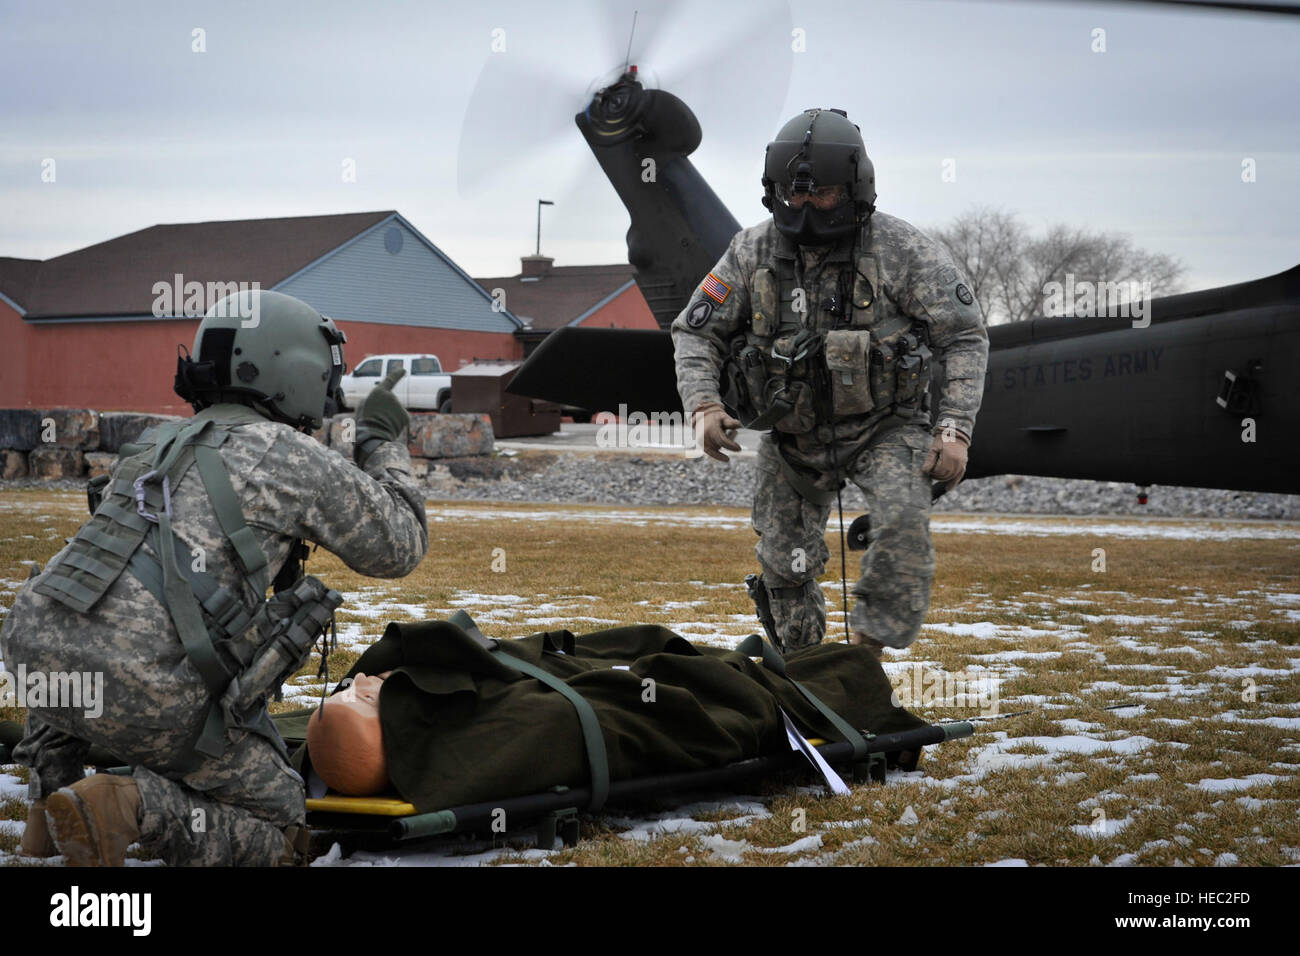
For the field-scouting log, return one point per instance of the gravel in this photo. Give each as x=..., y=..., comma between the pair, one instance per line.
x=666, y=480
x=618, y=479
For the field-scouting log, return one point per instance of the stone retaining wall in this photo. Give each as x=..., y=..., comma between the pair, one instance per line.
x=59, y=443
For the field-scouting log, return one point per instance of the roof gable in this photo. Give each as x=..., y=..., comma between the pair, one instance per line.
x=117, y=277
x=16, y=277
x=393, y=274
x=563, y=295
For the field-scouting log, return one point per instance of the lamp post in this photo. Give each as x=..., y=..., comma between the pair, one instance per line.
x=540, y=204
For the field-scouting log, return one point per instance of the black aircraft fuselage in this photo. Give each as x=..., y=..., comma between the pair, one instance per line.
x=1203, y=395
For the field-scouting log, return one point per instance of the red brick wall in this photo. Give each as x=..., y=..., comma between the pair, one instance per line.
x=453, y=348
x=130, y=366
x=13, y=358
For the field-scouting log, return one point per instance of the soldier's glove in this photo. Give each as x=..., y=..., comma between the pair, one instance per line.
x=946, y=460
x=380, y=417
x=715, y=430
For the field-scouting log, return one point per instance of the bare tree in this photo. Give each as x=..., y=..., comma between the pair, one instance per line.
x=1011, y=271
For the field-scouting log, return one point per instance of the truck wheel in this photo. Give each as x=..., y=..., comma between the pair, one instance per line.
x=445, y=406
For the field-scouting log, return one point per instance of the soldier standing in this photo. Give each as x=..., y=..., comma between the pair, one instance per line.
x=163, y=592
x=821, y=327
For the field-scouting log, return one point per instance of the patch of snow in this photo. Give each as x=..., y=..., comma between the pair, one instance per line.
x=1102, y=828
x=11, y=787
x=1078, y=726
x=727, y=851
x=1216, y=785
x=810, y=842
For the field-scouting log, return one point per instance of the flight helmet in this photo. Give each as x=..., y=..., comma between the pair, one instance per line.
x=818, y=149
x=267, y=350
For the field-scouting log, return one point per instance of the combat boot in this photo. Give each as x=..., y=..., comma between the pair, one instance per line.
x=37, y=841
x=95, y=820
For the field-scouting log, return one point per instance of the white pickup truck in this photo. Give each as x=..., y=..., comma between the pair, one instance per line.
x=424, y=385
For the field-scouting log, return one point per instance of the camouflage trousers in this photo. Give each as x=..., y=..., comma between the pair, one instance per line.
x=893, y=592
x=230, y=811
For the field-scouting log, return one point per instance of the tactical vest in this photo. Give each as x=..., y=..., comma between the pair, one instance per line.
x=237, y=652
x=858, y=356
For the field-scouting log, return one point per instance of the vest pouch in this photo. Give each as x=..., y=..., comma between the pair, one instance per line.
x=802, y=417
x=754, y=373
x=912, y=372
x=866, y=280
x=846, y=361
x=881, y=364
x=278, y=641
x=736, y=396
x=95, y=492
x=765, y=302
x=780, y=359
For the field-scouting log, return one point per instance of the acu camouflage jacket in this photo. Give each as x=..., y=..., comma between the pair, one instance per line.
x=901, y=275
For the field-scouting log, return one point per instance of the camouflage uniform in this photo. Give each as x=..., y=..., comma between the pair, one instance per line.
x=289, y=486
x=911, y=276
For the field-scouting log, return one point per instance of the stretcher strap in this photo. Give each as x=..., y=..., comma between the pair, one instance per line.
x=755, y=646
x=592, y=737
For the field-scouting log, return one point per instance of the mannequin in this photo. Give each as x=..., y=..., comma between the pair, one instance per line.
x=346, y=741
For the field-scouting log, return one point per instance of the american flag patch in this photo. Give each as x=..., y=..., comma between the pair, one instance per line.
x=715, y=288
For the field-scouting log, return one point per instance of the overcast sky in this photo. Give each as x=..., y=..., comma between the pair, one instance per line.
x=1146, y=138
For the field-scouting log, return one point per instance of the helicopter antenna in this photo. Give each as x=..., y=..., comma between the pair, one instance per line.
x=627, y=60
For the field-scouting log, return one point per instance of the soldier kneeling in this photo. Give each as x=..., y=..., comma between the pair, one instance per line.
x=190, y=650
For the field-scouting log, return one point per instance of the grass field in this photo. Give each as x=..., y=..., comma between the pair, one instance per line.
x=1194, y=624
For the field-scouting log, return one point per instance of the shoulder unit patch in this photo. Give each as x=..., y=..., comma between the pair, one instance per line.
x=699, y=313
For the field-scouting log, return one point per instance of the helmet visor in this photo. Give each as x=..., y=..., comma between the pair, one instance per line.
x=822, y=197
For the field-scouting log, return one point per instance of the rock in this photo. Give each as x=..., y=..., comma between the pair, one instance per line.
x=484, y=467
x=20, y=428
x=419, y=468
x=52, y=462
x=450, y=436
x=72, y=428
x=13, y=464
x=120, y=428
x=99, y=463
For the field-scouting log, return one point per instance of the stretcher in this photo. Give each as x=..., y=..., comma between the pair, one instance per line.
x=371, y=822
x=390, y=821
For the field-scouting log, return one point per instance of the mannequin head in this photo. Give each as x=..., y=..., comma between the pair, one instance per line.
x=346, y=741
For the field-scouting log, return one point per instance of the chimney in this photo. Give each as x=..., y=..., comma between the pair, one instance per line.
x=534, y=267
